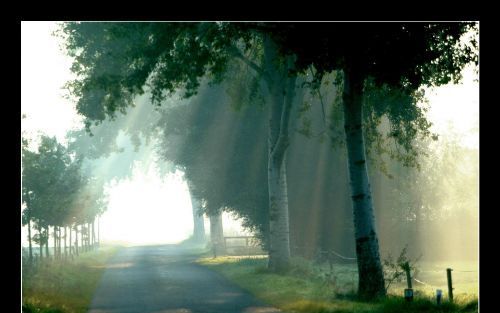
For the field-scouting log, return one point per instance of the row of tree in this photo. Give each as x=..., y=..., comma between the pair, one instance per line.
x=378, y=70
x=57, y=194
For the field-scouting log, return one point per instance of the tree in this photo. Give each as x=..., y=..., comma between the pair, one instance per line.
x=53, y=189
x=396, y=56
x=203, y=138
x=115, y=61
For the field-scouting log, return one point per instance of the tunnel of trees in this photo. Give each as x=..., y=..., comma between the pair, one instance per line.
x=310, y=134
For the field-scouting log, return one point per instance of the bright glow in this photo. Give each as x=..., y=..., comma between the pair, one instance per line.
x=44, y=71
x=456, y=107
x=146, y=210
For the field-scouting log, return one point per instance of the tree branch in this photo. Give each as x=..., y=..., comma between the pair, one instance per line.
x=282, y=141
x=237, y=53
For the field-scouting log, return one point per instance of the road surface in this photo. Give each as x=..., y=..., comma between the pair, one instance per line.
x=164, y=279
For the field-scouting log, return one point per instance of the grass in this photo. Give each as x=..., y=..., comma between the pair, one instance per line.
x=309, y=288
x=64, y=286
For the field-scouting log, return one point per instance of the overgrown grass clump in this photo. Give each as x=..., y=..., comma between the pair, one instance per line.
x=307, y=288
x=64, y=286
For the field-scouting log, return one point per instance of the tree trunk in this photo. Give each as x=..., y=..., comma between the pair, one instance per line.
x=40, y=241
x=70, y=238
x=93, y=234
x=56, y=243
x=279, y=250
x=198, y=223
x=98, y=232
x=217, y=233
x=54, y=232
x=76, y=240
x=84, y=238
x=65, y=246
x=47, y=254
x=89, y=237
x=29, y=241
x=59, y=240
x=281, y=90
x=371, y=278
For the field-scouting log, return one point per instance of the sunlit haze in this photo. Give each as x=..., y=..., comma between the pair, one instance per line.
x=145, y=210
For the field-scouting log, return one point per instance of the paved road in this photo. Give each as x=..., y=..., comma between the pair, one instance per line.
x=164, y=279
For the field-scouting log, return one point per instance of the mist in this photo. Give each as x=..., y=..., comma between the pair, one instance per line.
x=333, y=159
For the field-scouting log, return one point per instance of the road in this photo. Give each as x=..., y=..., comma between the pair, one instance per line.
x=164, y=279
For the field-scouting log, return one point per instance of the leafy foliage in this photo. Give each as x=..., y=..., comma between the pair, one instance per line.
x=55, y=191
x=395, y=269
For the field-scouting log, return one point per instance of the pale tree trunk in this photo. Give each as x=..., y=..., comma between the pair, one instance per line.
x=89, y=236
x=98, y=232
x=65, y=246
x=371, y=278
x=198, y=223
x=40, y=233
x=55, y=243
x=54, y=232
x=47, y=254
x=93, y=234
x=87, y=233
x=57, y=233
x=70, y=238
x=82, y=238
x=86, y=238
x=29, y=241
x=217, y=233
x=76, y=240
x=60, y=238
x=281, y=90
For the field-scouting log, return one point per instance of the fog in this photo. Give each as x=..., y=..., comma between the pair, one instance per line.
x=146, y=157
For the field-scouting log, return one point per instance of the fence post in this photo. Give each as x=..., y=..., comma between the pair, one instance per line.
x=450, y=284
x=409, y=290
x=439, y=294
x=408, y=275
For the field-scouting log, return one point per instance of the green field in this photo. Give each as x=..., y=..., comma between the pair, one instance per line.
x=64, y=286
x=313, y=288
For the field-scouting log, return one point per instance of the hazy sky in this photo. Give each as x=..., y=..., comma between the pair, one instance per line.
x=45, y=69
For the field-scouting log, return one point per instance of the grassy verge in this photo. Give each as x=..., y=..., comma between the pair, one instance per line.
x=64, y=286
x=306, y=289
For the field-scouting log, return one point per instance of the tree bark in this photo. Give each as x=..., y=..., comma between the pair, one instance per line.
x=281, y=90
x=65, y=246
x=371, y=278
x=98, y=232
x=29, y=241
x=198, y=223
x=40, y=241
x=76, y=240
x=54, y=232
x=47, y=254
x=84, y=237
x=70, y=238
x=58, y=241
x=217, y=233
x=93, y=234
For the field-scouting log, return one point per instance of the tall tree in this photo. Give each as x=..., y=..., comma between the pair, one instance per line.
x=397, y=56
x=198, y=223
x=115, y=61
